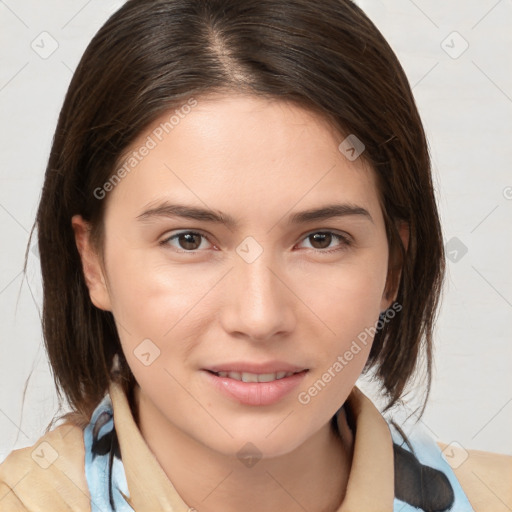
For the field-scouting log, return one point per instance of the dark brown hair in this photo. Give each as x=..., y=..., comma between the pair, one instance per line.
x=150, y=57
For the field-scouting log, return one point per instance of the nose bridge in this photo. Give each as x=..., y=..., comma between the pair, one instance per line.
x=257, y=278
x=260, y=305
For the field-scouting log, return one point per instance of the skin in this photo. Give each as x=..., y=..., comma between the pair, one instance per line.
x=258, y=161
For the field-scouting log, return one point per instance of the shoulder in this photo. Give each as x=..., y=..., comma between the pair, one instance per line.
x=486, y=477
x=49, y=475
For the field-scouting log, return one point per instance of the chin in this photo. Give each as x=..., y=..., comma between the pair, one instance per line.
x=257, y=443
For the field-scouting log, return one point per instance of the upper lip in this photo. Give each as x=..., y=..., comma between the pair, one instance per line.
x=258, y=368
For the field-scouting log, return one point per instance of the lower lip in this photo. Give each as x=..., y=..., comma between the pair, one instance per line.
x=256, y=393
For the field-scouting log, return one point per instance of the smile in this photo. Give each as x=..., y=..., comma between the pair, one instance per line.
x=255, y=377
x=255, y=388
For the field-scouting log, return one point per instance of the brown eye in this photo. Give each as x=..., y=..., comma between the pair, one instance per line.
x=321, y=241
x=189, y=241
x=186, y=240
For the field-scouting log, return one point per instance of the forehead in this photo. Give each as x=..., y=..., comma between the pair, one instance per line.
x=244, y=152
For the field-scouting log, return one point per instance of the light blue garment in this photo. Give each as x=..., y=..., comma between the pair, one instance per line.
x=104, y=471
x=106, y=477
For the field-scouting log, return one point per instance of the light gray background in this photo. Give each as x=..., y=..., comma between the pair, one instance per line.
x=465, y=99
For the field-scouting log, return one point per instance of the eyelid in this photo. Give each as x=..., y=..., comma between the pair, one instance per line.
x=342, y=234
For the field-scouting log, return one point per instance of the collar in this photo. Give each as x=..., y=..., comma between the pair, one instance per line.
x=370, y=485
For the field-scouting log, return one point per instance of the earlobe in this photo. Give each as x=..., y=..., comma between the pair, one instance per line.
x=91, y=264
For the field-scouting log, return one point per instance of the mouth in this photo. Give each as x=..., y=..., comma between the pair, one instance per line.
x=255, y=388
x=256, y=377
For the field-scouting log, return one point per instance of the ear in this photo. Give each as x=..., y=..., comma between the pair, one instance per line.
x=395, y=267
x=91, y=264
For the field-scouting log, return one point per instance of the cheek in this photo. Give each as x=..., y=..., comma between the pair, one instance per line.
x=346, y=299
x=144, y=282
x=348, y=305
x=349, y=293
x=151, y=299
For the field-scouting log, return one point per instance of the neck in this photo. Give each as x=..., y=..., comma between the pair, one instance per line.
x=312, y=477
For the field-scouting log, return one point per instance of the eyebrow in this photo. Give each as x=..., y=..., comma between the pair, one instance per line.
x=169, y=210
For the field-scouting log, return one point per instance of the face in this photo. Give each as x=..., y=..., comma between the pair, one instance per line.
x=255, y=286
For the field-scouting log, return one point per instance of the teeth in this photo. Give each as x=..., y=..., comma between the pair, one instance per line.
x=249, y=377
x=255, y=377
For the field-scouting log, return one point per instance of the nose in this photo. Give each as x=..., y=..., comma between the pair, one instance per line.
x=261, y=304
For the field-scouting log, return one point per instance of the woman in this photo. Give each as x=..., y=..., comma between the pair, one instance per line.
x=237, y=221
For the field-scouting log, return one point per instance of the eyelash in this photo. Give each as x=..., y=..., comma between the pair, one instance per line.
x=346, y=242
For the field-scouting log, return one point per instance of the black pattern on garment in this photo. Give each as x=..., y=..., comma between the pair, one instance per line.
x=108, y=443
x=416, y=484
x=419, y=485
